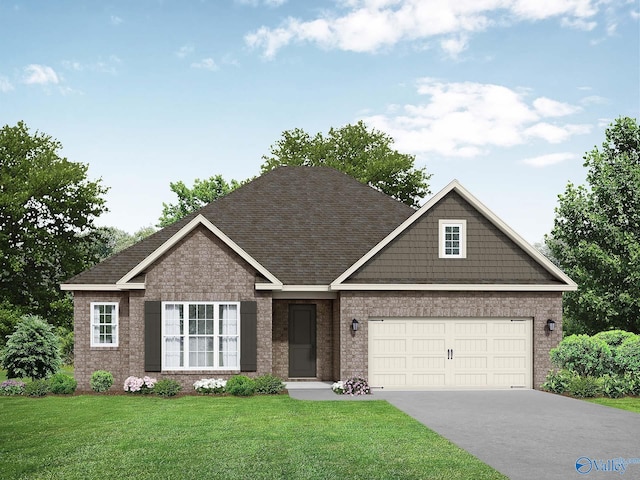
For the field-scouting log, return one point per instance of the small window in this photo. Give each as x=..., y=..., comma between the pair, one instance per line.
x=453, y=238
x=104, y=324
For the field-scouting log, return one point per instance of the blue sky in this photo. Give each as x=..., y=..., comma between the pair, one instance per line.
x=504, y=95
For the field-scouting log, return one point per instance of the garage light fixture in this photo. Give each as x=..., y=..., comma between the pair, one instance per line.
x=551, y=325
x=354, y=325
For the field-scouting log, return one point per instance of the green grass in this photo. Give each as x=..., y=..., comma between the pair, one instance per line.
x=627, y=403
x=92, y=436
x=66, y=369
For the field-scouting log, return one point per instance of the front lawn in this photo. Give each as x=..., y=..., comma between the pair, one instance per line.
x=626, y=403
x=93, y=436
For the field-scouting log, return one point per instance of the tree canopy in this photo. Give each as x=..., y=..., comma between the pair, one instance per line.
x=47, y=213
x=596, y=235
x=367, y=155
x=192, y=199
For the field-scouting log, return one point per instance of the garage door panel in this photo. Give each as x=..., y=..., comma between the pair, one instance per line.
x=450, y=353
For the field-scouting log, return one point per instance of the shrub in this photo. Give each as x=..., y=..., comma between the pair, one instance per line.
x=584, y=387
x=627, y=357
x=66, y=343
x=583, y=355
x=31, y=350
x=557, y=381
x=338, y=387
x=167, y=388
x=143, y=385
x=62, y=384
x=10, y=316
x=269, y=385
x=356, y=386
x=241, y=386
x=12, y=387
x=37, y=388
x=206, y=386
x=614, y=338
x=101, y=381
x=616, y=386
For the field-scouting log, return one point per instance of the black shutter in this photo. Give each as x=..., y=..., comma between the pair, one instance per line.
x=248, y=336
x=152, y=336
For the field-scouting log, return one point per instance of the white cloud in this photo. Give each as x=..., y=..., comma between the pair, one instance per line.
x=467, y=119
x=257, y=3
x=551, y=159
x=371, y=25
x=40, y=75
x=109, y=65
x=185, y=50
x=5, y=84
x=115, y=20
x=206, y=64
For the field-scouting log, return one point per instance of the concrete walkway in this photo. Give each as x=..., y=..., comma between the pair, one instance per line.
x=524, y=434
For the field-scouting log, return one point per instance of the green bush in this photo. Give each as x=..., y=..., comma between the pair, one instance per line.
x=241, y=386
x=10, y=316
x=584, y=355
x=584, y=387
x=627, y=357
x=101, y=381
x=62, y=384
x=269, y=385
x=11, y=387
x=167, y=388
x=614, y=338
x=616, y=386
x=557, y=381
x=37, y=388
x=31, y=350
x=66, y=342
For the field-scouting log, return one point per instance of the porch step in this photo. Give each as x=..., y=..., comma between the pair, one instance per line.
x=305, y=385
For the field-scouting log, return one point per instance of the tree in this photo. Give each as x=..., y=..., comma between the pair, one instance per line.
x=111, y=240
x=366, y=155
x=47, y=210
x=32, y=350
x=192, y=199
x=596, y=235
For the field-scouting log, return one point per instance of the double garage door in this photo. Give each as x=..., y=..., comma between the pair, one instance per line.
x=415, y=353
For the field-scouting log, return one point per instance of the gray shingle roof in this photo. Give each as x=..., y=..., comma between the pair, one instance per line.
x=306, y=225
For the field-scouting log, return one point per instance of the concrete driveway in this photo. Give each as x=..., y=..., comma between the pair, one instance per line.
x=527, y=434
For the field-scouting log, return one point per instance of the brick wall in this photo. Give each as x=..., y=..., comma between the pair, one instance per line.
x=199, y=268
x=364, y=305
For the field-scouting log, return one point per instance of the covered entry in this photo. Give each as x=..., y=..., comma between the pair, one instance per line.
x=423, y=353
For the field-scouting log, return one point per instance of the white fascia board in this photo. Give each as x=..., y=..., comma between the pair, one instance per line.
x=100, y=287
x=183, y=232
x=293, y=288
x=454, y=287
x=492, y=217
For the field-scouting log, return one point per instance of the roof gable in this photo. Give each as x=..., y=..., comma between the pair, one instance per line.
x=497, y=257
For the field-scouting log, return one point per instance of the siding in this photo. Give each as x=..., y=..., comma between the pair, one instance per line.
x=492, y=257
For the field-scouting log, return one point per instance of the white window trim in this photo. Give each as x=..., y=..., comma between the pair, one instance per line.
x=442, y=224
x=216, y=336
x=115, y=324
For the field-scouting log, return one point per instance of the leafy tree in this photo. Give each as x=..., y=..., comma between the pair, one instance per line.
x=32, y=350
x=192, y=199
x=596, y=235
x=111, y=240
x=10, y=316
x=367, y=155
x=47, y=210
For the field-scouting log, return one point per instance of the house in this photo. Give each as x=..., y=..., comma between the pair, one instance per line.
x=306, y=273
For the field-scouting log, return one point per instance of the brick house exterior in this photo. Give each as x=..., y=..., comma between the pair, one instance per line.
x=270, y=278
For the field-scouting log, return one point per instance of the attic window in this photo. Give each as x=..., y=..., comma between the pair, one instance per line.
x=453, y=238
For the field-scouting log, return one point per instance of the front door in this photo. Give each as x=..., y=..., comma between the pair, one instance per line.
x=302, y=341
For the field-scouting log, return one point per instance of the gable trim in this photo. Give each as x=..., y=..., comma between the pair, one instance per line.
x=182, y=233
x=102, y=287
x=455, y=287
x=568, y=284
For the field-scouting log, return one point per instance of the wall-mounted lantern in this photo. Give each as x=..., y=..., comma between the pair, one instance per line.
x=354, y=325
x=551, y=325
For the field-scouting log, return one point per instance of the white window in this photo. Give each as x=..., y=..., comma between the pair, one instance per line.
x=453, y=238
x=104, y=324
x=200, y=336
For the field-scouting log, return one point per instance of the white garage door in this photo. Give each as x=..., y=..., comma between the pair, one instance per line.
x=413, y=353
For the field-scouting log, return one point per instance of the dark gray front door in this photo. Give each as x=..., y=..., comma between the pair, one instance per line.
x=302, y=341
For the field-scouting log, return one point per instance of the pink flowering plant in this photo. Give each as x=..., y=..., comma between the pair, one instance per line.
x=142, y=385
x=12, y=387
x=355, y=386
x=208, y=386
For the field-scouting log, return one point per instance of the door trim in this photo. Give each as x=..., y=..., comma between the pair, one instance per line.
x=306, y=351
